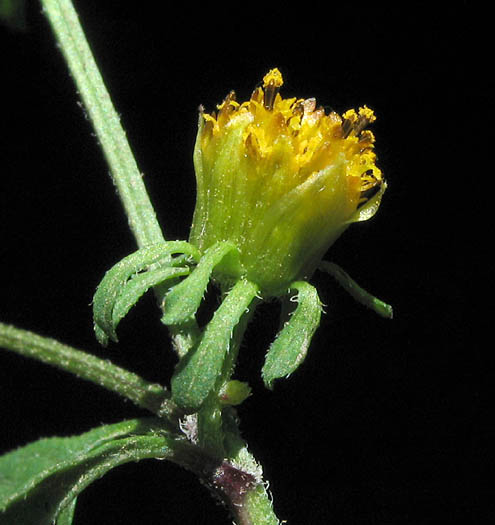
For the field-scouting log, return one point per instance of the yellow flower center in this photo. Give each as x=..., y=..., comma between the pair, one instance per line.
x=296, y=134
x=281, y=180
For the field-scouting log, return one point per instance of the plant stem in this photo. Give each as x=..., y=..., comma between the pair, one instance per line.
x=255, y=507
x=147, y=395
x=112, y=138
x=125, y=173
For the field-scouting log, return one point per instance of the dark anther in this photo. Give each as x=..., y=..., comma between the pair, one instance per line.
x=361, y=123
x=229, y=97
x=327, y=109
x=347, y=127
x=298, y=108
x=270, y=93
x=227, y=106
x=355, y=127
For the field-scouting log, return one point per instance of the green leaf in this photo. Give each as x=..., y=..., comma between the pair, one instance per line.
x=199, y=369
x=291, y=345
x=116, y=280
x=361, y=296
x=140, y=284
x=39, y=482
x=182, y=302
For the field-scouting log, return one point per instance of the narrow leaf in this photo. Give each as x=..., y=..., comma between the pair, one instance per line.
x=182, y=302
x=138, y=285
x=290, y=347
x=114, y=280
x=40, y=481
x=360, y=295
x=200, y=368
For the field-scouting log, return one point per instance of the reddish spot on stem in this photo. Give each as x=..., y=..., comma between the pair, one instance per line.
x=233, y=483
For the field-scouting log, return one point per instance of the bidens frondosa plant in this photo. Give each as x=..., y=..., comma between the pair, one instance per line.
x=281, y=180
x=278, y=181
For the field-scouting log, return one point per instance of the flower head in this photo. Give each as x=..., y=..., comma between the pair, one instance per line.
x=282, y=180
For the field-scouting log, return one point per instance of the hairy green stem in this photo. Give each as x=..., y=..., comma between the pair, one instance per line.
x=255, y=507
x=124, y=170
x=240, y=479
x=112, y=138
x=147, y=395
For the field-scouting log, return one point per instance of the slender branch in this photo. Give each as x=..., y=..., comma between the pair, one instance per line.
x=123, y=168
x=147, y=395
x=125, y=173
x=255, y=506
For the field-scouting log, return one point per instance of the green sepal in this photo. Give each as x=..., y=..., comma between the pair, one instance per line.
x=183, y=300
x=200, y=368
x=118, y=289
x=290, y=347
x=361, y=296
x=39, y=482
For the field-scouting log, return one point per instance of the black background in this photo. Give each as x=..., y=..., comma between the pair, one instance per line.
x=387, y=422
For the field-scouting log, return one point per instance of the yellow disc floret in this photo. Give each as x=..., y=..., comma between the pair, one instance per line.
x=281, y=179
x=296, y=132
